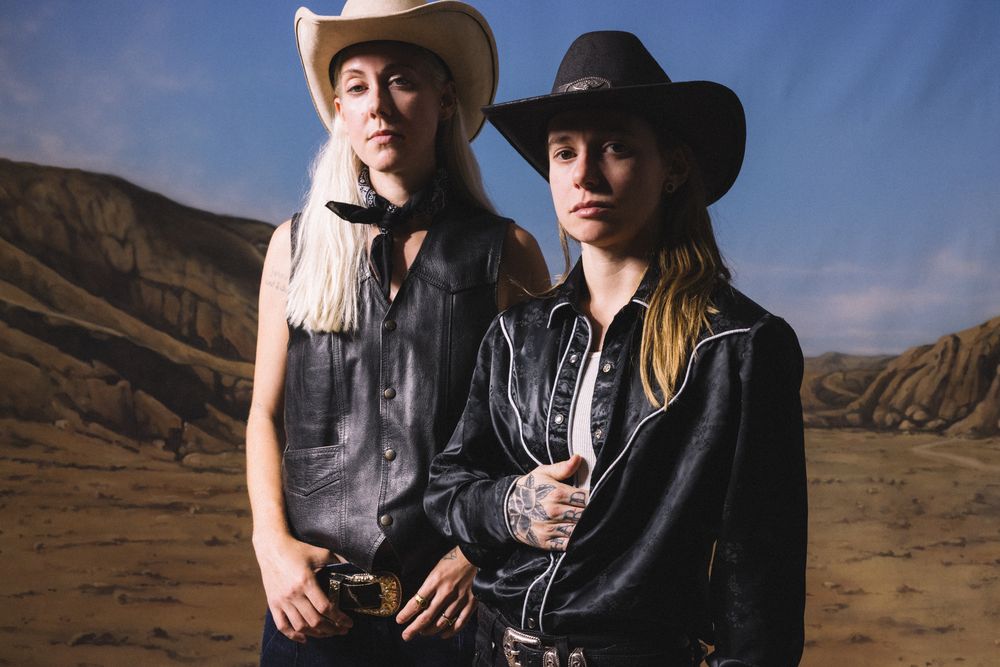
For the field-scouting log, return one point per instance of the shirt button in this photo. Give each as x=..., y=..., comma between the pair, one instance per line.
x=598, y=433
x=606, y=368
x=531, y=623
x=389, y=393
x=573, y=358
x=389, y=325
x=558, y=419
x=389, y=454
x=385, y=520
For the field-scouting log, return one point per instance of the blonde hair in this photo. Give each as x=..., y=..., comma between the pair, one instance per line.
x=690, y=267
x=322, y=290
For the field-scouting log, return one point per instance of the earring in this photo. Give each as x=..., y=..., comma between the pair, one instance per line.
x=669, y=188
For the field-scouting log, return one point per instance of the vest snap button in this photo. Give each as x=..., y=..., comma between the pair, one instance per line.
x=607, y=367
x=389, y=393
x=558, y=419
x=573, y=358
x=389, y=454
x=385, y=520
x=389, y=325
x=598, y=433
x=531, y=623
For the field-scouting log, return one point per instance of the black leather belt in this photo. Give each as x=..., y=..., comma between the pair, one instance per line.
x=352, y=589
x=522, y=648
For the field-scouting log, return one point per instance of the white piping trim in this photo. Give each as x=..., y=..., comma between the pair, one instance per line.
x=593, y=490
x=687, y=374
x=641, y=303
x=554, y=309
x=510, y=396
x=545, y=597
x=524, y=608
x=555, y=385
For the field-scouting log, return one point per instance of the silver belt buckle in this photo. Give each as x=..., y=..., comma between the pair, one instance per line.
x=511, y=637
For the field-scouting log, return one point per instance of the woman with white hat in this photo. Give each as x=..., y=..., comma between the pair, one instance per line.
x=629, y=471
x=373, y=302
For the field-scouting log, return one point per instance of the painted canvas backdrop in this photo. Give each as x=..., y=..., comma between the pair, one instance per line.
x=866, y=215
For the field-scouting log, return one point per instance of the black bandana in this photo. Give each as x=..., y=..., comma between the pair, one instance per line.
x=379, y=211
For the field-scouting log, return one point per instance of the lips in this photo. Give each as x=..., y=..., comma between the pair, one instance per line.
x=384, y=135
x=591, y=206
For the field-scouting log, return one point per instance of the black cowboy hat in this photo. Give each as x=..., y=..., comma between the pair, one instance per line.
x=614, y=70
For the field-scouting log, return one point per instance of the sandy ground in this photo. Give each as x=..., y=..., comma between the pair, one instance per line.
x=113, y=555
x=904, y=564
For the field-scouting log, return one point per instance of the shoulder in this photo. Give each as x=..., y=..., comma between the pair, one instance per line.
x=279, y=248
x=764, y=331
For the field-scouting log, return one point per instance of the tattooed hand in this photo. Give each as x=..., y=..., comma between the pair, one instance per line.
x=542, y=511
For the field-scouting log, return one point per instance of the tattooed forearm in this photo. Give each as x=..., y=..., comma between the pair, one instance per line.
x=277, y=280
x=524, y=506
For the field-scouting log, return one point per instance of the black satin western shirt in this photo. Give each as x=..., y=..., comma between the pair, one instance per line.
x=696, y=523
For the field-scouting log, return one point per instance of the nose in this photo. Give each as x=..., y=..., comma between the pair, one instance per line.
x=379, y=101
x=586, y=170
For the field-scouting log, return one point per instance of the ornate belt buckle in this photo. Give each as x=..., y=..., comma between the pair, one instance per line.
x=511, y=637
x=389, y=598
x=354, y=592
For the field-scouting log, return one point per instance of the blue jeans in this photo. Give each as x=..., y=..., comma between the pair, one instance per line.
x=371, y=642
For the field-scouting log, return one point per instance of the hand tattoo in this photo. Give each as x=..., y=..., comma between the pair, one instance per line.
x=524, y=506
x=572, y=515
x=451, y=555
x=578, y=498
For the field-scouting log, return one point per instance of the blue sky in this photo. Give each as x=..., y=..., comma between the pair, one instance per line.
x=867, y=212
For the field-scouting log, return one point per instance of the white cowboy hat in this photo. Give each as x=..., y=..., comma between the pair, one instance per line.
x=454, y=31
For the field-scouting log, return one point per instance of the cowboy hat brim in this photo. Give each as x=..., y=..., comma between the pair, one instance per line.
x=707, y=116
x=453, y=30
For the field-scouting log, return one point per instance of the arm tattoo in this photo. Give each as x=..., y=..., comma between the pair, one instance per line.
x=277, y=280
x=451, y=555
x=524, y=507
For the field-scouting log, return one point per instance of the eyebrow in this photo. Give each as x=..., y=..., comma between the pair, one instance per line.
x=389, y=67
x=559, y=138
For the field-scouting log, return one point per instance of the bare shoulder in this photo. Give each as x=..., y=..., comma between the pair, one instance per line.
x=522, y=267
x=278, y=259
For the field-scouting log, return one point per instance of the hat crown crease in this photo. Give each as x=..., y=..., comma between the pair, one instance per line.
x=361, y=8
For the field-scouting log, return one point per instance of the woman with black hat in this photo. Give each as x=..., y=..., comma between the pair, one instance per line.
x=373, y=302
x=629, y=471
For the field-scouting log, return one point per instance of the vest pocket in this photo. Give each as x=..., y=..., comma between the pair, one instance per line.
x=306, y=471
x=314, y=492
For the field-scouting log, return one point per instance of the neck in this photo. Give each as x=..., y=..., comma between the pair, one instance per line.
x=611, y=282
x=399, y=186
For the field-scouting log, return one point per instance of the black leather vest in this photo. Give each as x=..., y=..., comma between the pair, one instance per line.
x=366, y=412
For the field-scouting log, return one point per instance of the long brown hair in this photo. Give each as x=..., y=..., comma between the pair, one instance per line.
x=690, y=267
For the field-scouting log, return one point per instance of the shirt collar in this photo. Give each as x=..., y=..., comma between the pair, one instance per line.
x=571, y=291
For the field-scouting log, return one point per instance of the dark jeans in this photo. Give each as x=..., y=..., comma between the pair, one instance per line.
x=372, y=642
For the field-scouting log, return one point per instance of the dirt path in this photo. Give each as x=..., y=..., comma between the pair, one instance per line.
x=928, y=450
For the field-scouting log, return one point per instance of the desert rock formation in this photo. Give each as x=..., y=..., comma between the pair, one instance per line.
x=952, y=387
x=124, y=314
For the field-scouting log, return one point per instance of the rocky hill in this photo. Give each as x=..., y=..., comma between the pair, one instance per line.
x=131, y=317
x=952, y=387
x=124, y=314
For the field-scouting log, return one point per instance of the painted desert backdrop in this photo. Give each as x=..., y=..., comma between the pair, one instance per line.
x=128, y=326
